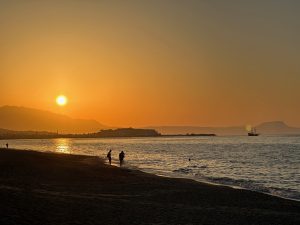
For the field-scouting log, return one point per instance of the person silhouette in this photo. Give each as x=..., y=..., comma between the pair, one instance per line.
x=121, y=157
x=6, y=145
x=109, y=156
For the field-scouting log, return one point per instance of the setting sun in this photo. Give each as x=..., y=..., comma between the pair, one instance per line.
x=61, y=100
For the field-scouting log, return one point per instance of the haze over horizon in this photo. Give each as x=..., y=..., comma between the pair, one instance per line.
x=19, y=118
x=144, y=63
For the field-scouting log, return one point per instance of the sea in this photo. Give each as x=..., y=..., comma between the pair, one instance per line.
x=268, y=164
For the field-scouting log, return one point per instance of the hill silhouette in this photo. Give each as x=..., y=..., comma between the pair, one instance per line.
x=25, y=119
x=15, y=118
x=277, y=127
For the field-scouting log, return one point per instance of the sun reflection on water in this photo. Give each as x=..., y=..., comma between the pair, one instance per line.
x=63, y=145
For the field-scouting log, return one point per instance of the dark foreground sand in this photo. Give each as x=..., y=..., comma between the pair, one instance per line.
x=45, y=188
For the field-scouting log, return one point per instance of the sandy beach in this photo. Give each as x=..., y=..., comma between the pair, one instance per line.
x=47, y=188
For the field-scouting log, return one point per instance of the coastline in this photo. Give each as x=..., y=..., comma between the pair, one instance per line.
x=202, y=181
x=282, y=192
x=83, y=136
x=52, y=188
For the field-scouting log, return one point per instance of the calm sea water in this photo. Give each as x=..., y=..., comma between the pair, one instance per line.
x=268, y=164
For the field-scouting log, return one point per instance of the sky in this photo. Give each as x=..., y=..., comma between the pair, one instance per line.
x=139, y=63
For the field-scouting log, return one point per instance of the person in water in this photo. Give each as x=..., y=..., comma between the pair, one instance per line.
x=109, y=156
x=121, y=157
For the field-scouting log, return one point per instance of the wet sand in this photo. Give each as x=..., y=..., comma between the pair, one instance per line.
x=47, y=188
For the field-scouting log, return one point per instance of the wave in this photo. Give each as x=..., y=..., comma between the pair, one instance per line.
x=189, y=169
x=183, y=170
x=248, y=184
x=253, y=186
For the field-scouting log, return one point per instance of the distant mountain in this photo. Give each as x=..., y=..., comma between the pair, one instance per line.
x=26, y=119
x=275, y=127
x=10, y=134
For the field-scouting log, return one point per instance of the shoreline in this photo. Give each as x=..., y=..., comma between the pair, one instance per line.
x=51, y=188
x=215, y=184
x=201, y=181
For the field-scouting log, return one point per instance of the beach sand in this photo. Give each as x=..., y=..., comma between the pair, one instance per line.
x=47, y=188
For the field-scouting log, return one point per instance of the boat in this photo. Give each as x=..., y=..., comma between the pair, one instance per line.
x=253, y=132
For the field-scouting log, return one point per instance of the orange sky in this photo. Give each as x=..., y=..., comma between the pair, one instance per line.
x=137, y=63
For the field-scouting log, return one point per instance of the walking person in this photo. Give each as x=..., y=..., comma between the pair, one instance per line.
x=109, y=156
x=121, y=157
x=6, y=145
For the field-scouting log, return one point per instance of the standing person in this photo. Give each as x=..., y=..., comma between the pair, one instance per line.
x=109, y=156
x=121, y=157
x=6, y=145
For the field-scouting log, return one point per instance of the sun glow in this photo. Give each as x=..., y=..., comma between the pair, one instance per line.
x=61, y=100
x=248, y=128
